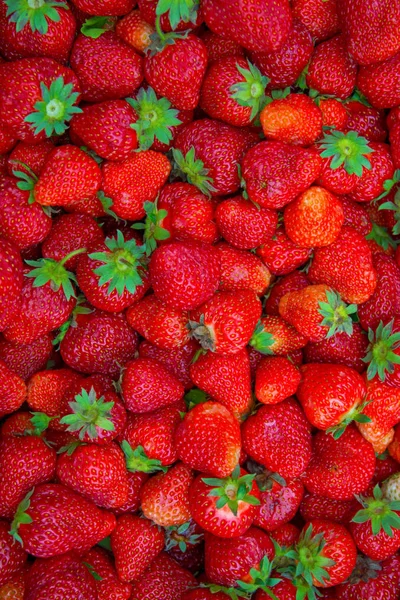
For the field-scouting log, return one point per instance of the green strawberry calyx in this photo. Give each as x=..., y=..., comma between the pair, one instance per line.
x=232, y=491
x=381, y=356
x=92, y=571
x=159, y=39
x=153, y=229
x=381, y=512
x=27, y=180
x=96, y=26
x=381, y=236
x=192, y=170
x=182, y=535
x=137, y=460
x=251, y=91
x=337, y=315
x=178, y=10
x=347, y=149
x=21, y=517
x=47, y=270
x=121, y=264
x=260, y=579
x=232, y=593
x=194, y=397
x=40, y=422
x=36, y=13
x=203, y=333
x=71, y=321
x=57, y=106
x=156, y=118
x=393, y=205
x=355, y=414
x=262, y=340
x=89, y=414
x=389, y=184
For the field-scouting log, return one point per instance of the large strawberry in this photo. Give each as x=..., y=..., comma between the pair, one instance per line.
x=242, y=270
x=332, y=70
x=371, y=579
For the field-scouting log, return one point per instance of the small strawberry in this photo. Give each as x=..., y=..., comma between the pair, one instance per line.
x=135, y=31
x=332, y=70
x=277, y=378
x=274, y=336
x=107, y=582
x=242, y=270
x=281, y=255
x=163, y=579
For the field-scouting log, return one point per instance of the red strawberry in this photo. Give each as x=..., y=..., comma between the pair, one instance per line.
x=114, y=7
x=321, y=20
x=294, y=119
x=135, y=31
x=33, y=157
x=356, y=216
x=242, y=270
x=346, y=265
x=371, y=183
x=275, y=173
x=26, y=359
x=278, y=437
x=277, y=378
x=340, y=468
x=249, y=25
x=7, y=141
x=185, y=274
x=46, y=390
x=12, y=556
x=322, y=507
x=12, y=281
x=46, y=102
x=177, y=361
x=163, y=579
x=165, y=496
x=384, y=302
x=279, y=501
x=225, y=323
x=106, y=67
x=208, y=439
x=244, y=225
x=108, y=583
x=372, y=580
x=292, y=282
x=135, y=483
x=281, y=255
x=184, y=543
x=135, y=543
x=340, y=348
x=332, y=70
x=334, y=113
x=218, y=506
x=274, y=336
x=367, y=121
x=226, y=378
x=219, y=46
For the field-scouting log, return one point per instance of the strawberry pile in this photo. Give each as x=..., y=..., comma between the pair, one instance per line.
x=199, y=299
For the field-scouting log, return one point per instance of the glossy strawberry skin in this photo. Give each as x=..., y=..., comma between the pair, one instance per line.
x=281, y=255
x=295, y=119
x=242, y=270
x=177, y=361
x=47, y=388
x=384, y=411
x=103, y=565
x=384, y=585
x=348, y=350
x=277, y=378
x=367, y=121
x=370, y=185
x=163, y=579
x=116, y=7
x=321, y=20
x=332, y=70
x=219, y=47
x=12, y=556
x=378, y=547
x=33, y=156
x=12, y=281
x=321, y=507
x=294, y=281
x=26, y=359
x=384, y=302
x=279, y=504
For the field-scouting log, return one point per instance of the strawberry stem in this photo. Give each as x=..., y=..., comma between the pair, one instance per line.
x=380, y=512
x=337, y=315
x=381, y=356
x=347, y=149
x=137, y=460
x=89, y=414
x=36, y=13
x=50, y=271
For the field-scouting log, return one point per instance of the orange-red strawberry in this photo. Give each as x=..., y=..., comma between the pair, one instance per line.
x=12, y=556
x=135, y=31
x=332, y=70
x=208, y=439
x=277, y=378
x=295, y=119
x=242, y=270
x=281, y=255
x=46, y=390
x=108, y=582
x=225, y=323
x=274, y=173
x=135, y=543
x=278, y=437
x=340, y=348
x=165, y=496
x=383, y=410
x=334, y=113
x=321, y=19
x=292, y=282
x=225, y=378
x=314, y=219
x=133, y=181
x=274, y=336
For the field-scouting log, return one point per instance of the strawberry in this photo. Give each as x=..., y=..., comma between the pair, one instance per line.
x=135, y=481
x=46, y=102
x=12, y=556
x=276, y=379
x=226, y=378
x=281, y=255
x=340, y=348
x=367, y=40
x=294, y=119
x=321, y=507
x=244, y=225
x=225, y=323
x=376, y=526
x=107, y=68
x=372, y=182
x=7, y=141
x=175, y=70
x=113, y=7
x=207, y=153
x=129, y=185
x=177, y=361
x=375, y=82
x=12, y=281
x=46, y=390
x=135, y=31
x=231, y=561
x=135, y=543
x=23, y=224
x=321, y=20
x=292, y=282
x=219, y=46
x=44, y=30
x=334, y=113
x=26, y=359
x=160, y=324
x=346, y=265
x=163, y=579
x=383, y=353
x=99, y=343
x=278, y=437
x=108, y=583
x=383, y=411
x=242, y=270
x=25, y=462
x=356, y=216
x=242, y=25
x=185, y=274
x=184, y=543
x=52, y=519
x=332, y=70
x=224, y=507
x=372, y=580
x=208, y=439
x=384, y=302
x=171, y=16
x=284, y=66
x=274, y=336
x=32, y=157
x=394, y=446
x=340, y=468
x=275, y=173
x=165, y=496
x=367, y=121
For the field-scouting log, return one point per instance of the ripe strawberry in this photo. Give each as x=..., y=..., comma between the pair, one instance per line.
x=33, y=157
x=275, y=173
x=321, y=507
x=294, y=119
x=340, y=468
x=226, y=378
x=241, y=270
x=376, y=526
x=12, y=556
x=42, y=107
x=384, y=302
x=244, y=225
x=292, y=282
x=340, y=348
x=208, y=439
x=219, y=507
x=165, y=496
x=334, y=113
x=109, y=584
x=177, y=360
x=279, y=502
x=274, y=336
x=332, y=70
x=219, y=46
x=133, y=181
x=284, y=66
x=356, y=216
x=277, y=378
x=26, y=359
x=368, y=122
x=394, y=446
x=136, y=480
x=278, y=437
x=99, y=343
x=135, y=543
x=12, y=281
x=160, y=324
x=44, y=30
x=46, y=390
x=346, y=265
x=321, y=20
x=243, y=26
x=225, y=323
x=114, y=7
x=281, y=255
x=185, y=274
x=371, y=183
x=207, y=153
x=163, y=579
x=106, y=67
x=372, y=580
x=383, y=411
x=135, y=31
